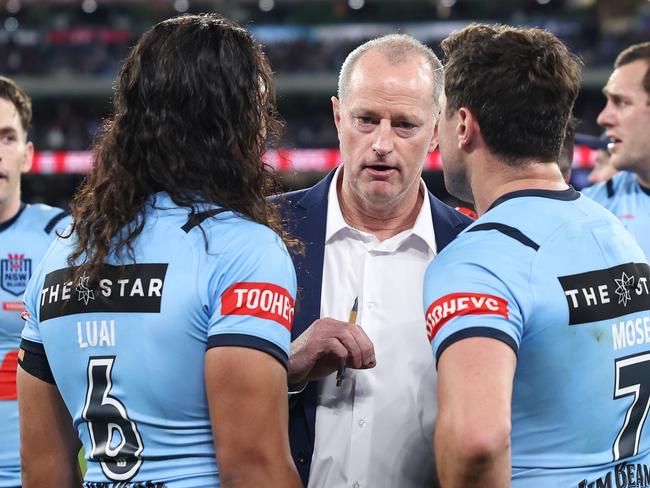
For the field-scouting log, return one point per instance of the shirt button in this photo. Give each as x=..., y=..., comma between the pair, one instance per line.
x=356, y=485
x=302, y=457
x=370, y=305
x=362, y=423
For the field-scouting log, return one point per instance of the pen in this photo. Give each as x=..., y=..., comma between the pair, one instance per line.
x=352, y=319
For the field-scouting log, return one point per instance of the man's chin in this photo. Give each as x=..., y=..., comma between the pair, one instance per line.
x=458, y=187
x=621, y=163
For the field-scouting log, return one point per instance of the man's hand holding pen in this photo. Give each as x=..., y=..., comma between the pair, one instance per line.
x=325, y=346
x=352, y=320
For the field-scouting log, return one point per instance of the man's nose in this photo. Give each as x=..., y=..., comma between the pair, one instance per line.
x=606, y=117
x=383, y=144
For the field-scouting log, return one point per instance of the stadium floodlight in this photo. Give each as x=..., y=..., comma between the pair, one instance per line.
x=266, y=5
x=11, y=24
x=181, y=6
x=89, y=6
x=13, y=6
x=356, y=4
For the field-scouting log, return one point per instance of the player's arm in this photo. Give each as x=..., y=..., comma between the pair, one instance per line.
x=247, y=396
x=472, y=436
x=48, y=441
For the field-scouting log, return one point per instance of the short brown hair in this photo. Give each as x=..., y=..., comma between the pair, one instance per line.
x=520, y=84
x=565, y=158
x=633, y=53
x=11, y=92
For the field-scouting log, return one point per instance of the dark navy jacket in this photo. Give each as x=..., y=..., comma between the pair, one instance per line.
x=305, y=213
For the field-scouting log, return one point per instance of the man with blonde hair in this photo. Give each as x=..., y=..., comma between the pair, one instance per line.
x=369, y=228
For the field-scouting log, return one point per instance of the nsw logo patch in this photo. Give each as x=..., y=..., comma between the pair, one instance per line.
x=15, y=273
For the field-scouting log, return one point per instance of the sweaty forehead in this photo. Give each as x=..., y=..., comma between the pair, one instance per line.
x=373, y=75
x=626, y=79
x=9, y=117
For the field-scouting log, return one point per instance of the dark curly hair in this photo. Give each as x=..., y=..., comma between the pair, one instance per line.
x=194, y=109
x=520, y=84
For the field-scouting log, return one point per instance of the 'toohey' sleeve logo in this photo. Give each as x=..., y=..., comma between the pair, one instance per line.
x=263, y=300
x=455, y=304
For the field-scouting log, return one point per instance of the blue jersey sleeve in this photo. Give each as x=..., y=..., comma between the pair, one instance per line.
x=468, y=299
x=58, y=224
x=31, y=302
x=32, y=296
x=252, y=294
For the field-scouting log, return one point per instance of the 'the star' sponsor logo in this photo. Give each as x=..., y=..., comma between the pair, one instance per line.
x=136, y=288
x=84, y=293
x=607, y=293
x=624, y=285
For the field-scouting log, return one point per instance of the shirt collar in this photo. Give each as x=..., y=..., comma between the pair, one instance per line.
x=8, y=223
x=335, y=220
x=644, y=189
x=423, y=227
x=566, y=195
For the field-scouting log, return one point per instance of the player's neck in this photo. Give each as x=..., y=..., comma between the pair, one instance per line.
x=492, y=181
x=9, y=209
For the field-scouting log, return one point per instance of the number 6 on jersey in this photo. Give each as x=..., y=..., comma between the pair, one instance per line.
x=115, y=439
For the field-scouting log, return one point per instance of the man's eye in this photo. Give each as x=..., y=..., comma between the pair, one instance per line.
x=7, y=139
x=405, y=125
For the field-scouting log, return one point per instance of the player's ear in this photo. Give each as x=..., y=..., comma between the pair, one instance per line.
x=467, y=127
x=336, y=111
x=433, y=143
x=28, y=159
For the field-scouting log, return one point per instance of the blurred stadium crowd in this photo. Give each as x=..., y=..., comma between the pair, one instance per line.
x=66, y=53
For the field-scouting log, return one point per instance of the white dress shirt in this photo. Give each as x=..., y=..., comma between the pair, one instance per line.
x=376, y=429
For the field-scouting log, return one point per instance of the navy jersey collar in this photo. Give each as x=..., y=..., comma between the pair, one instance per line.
x=644, y=189
x=566, y=195
x=5, y=225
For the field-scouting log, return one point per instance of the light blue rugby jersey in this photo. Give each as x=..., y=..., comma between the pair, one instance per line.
x=629, y=201
x=23, y=242
x=557, y=278
x=141, y=338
